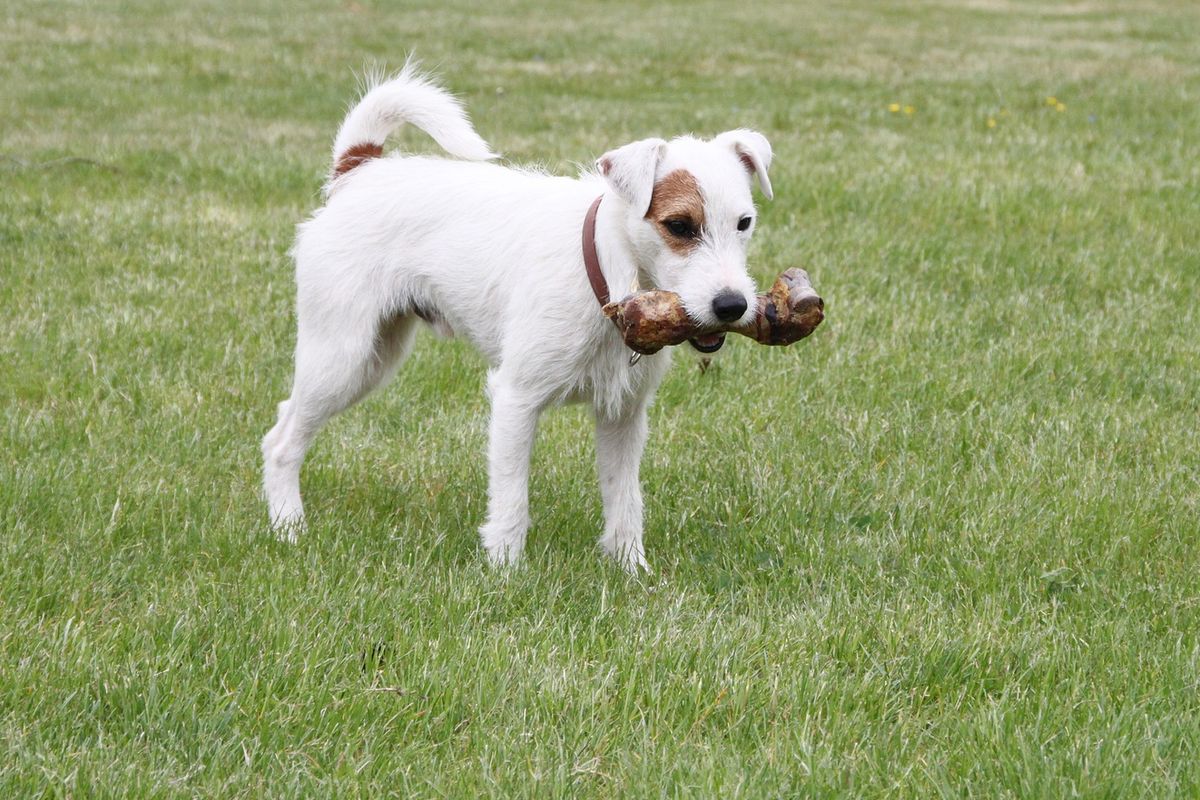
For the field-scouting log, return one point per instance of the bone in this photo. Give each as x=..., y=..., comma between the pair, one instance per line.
x=649, y=321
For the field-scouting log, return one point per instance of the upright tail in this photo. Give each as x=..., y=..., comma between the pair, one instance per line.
x=407, y=97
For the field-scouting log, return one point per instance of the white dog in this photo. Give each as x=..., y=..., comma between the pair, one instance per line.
x=496, y=255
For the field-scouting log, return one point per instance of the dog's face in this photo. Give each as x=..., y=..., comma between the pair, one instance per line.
x=690, y=217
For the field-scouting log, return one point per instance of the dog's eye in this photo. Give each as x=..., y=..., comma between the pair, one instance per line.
x=680, y=228
x=744, y=223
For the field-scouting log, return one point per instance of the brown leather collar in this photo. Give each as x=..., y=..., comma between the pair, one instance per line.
x=591, y=261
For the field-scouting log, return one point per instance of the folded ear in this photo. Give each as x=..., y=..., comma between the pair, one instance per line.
x=630, y=171
x=754, y=151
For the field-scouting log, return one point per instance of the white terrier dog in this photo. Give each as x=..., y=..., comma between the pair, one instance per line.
x=494, y=254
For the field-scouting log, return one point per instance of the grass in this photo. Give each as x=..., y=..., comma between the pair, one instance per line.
x=948, y=546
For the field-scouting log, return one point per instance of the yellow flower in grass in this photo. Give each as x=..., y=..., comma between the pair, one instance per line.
x=991, y=123
x=1051, y=100
x=909, y=110
x=1060, y=107
x=894, y=107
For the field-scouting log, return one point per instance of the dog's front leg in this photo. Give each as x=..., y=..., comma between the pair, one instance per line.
x=510, y=442
x=619, y=444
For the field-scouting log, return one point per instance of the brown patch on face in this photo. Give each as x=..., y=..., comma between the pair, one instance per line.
x=677, y=203
x=354, y=156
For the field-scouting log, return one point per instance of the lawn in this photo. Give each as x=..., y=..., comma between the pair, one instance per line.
x=947, y=546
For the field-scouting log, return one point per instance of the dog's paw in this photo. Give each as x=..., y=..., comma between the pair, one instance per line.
x=502, y=546
x=636, y=565
x=288, y=527
x=503, y=555
x=630, y=556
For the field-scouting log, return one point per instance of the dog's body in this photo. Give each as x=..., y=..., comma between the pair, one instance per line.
x=494, y=255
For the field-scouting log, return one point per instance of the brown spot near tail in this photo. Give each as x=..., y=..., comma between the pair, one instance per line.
x=677, y=199
x=354, y=156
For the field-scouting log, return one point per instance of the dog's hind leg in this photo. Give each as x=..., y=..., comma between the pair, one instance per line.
x=332, y=373
x=511, y=433
x=619, y=445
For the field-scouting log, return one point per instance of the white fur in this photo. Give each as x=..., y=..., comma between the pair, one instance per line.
x=410, y=97
x=493, y=254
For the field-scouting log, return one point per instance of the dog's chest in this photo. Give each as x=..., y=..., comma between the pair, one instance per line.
x=616, y=381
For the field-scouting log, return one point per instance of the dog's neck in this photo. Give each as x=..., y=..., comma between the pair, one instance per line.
x=620, y=264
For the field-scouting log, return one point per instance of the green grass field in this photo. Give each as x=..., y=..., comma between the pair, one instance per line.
x=948, y=546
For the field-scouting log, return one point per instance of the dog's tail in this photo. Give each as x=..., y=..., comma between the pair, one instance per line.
x=388, y=104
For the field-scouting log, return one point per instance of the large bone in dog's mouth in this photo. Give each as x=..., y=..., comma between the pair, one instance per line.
x=650, y=321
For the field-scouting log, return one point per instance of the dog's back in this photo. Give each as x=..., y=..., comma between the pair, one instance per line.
x=423, y=233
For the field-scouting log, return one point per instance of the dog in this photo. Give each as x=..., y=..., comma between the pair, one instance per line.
x=497, y=255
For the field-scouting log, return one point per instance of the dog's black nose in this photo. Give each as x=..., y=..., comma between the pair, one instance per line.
x=729, y=305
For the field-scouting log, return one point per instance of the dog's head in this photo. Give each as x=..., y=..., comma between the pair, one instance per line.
x=689, y=217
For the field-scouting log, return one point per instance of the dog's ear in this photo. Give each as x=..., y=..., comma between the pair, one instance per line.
x=754, y=151
x=630, y=171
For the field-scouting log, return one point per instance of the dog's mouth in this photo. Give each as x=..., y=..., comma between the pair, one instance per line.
x=709, y=343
